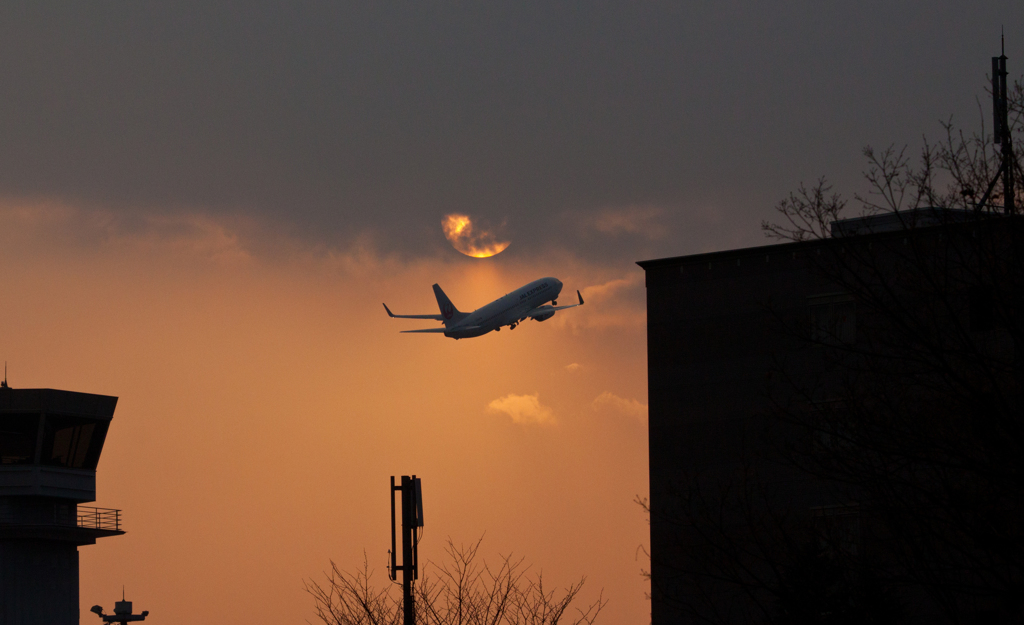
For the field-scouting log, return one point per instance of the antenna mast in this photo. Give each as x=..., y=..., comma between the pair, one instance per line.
x=1001, y=129
x=1001, y=134
x=412, y=520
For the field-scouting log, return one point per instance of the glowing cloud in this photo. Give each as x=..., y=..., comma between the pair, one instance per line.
x=620, y=304
x=609, y=289
x=629, y=407
x=458, y=229
x=524, y=409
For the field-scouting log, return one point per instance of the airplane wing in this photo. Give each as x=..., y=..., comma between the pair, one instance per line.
x=570, y=305
x=550, y=310
x=439, y=330
x=434, y=317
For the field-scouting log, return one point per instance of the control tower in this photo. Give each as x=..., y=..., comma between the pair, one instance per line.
x=50, y=443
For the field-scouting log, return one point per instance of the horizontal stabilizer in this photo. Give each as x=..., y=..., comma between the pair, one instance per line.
x=394, y=316
x=434, y=330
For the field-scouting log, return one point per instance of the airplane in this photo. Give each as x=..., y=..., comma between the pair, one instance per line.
x=526, y=302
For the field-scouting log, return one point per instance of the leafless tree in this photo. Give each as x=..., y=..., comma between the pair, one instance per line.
x=462, y=590
x=924, y=418
x=920, y=418
x=917, y=421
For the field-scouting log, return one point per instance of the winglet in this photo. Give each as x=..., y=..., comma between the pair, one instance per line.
x=577, y=295
x=390, y=314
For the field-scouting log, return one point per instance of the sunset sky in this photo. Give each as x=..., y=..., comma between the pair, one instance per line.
x=203, y=206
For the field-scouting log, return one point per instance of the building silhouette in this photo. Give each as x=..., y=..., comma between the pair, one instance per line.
x=767, y=369
x=50, y=444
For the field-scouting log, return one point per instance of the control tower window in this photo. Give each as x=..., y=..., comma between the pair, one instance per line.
x=18, y=438
x=72, y=442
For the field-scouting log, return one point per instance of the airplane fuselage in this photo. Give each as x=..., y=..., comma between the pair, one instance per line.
x=529, y=301
x=507, y=310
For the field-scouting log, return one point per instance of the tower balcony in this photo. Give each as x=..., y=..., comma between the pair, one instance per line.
x=24, y=518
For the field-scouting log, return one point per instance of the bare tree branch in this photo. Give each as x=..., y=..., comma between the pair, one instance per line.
x=461, y=590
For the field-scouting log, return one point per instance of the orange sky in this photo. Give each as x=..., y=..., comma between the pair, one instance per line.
x=244, y=188
x=266, y=398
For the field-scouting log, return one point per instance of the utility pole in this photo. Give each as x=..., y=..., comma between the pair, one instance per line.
x=1001, y=129
x=412, y=520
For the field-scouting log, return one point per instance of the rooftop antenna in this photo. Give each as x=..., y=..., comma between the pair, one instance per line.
x=4, y=383
x=999, y=101
x=1001, y=132
x=122, y=612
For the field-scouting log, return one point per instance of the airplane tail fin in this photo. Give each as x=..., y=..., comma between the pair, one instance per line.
x=449, y=312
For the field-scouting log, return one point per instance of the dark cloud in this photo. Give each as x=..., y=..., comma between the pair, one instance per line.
x=337, y=119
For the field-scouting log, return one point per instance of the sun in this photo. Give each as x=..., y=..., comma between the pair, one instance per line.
x=458, y=229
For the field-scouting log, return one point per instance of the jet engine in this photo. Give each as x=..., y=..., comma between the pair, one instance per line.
x=546, y=312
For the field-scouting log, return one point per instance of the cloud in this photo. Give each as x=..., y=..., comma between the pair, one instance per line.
x=629, y=407
x=83, y=229
x=524, y=409
x=232, y=240
x=574, y=367
x=190, y=234
x=617, y=303
x=609, y=290
x=642, y=220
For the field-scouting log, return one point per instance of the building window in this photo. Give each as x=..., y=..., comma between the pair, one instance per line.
x=837, y=529
x=72, y=442
x=18, y=438
x=833, y=319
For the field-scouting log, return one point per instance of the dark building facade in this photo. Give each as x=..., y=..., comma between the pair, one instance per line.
x=50, y=445
x=738, y=338
x=711, y=343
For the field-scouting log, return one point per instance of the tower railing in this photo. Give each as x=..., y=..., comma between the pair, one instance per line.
x=61, y=515
x=99, y=518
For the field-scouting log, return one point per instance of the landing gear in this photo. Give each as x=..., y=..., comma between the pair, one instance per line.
x=512, y=327
x=554, y=303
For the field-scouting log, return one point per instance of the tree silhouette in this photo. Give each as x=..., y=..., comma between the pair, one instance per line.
x=462, y=590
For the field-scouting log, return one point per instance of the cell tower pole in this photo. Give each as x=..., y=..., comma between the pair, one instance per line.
x=412, y=518
x=408, y=549
x=1001, y=129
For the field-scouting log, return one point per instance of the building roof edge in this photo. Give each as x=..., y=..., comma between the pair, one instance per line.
x=703, y=256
